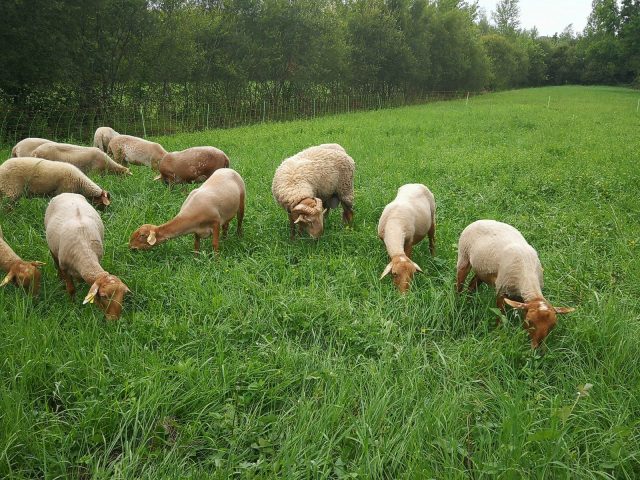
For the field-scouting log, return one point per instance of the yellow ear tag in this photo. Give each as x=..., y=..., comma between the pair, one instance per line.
x=6, y=280
x=89, y=298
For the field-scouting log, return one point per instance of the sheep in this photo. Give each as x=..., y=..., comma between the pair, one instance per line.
x=206, y=209
x=191, y=165
x=75, y=235
x=86, y=159
x=404, y=223
x=500, y=256
x=316, y=177
x=20, y=272
x=25, y=148
x=125, y=148
x=103, y=136
x=36, y=176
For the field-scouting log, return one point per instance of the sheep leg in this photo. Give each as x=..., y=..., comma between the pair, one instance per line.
x=500, y=305
x=463, y=271
x=347, y=213
x=196, y=243
x=432, y=239
x=240, y=215
x=62, y=275
x=215, y=237
x=408, y=249
x=225, y=230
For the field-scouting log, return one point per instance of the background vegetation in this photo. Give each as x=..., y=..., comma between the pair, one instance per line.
x=292, y=360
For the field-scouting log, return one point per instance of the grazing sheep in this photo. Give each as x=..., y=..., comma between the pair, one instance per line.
x=191, y=165
x=86, y=159
x=36, y=176
x=316, y=177
x=125, y=148
x=404, y=223
x=206, y=209
x=103, y=136
x=75, y=236
x=25, y=148
x=20, y=272
x=500, y=256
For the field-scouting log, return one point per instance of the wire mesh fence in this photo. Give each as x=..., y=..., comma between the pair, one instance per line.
x=78, y=125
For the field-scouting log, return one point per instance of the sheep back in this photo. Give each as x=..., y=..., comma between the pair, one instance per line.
x=192, y=165
x=127, y=148
x=25, y=148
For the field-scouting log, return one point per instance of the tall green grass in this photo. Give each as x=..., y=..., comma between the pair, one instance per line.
x=292, y=360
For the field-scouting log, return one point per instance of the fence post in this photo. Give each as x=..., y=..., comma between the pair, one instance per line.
x=467, y=103
x=144, y=128
x=638, y=107
x=264, y=109
x=207, y=116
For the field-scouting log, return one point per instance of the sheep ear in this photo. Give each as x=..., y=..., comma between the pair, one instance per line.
x=386, y=271
x=151, y=239
x=300, y=219
x=93, y=291
x=157, y=178
x=38, y=264
x=514, y=304
x=562, y=310
x=7, y=279
x=324, y=211
x=129, y=172
x=105, y=199
x=299, y=208
x=418, y=269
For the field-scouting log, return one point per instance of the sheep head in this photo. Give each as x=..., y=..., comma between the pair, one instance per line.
x=540, y=318
x=402, y=268
x=144, y=237
x=25, y=274
x=108, y=293
x=310, y=214
x=104, y=200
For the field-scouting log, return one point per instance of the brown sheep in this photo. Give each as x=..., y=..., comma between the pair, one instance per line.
x=191, y=165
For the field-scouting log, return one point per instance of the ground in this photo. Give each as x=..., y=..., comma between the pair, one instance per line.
x=292, y=360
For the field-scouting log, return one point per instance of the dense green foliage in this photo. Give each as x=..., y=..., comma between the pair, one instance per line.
x=292, y=360
x=104, y=52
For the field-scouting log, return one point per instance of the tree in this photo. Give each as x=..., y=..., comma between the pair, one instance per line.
x=507, y=16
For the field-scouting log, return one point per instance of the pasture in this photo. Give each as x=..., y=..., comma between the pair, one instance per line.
x=292, y=360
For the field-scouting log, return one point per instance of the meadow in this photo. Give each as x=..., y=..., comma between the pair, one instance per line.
x=280, y=359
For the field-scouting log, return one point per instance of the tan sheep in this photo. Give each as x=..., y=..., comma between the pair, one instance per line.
x=129, y=149
x=103, y=136
x=501, y=257
x=87, y=159
x=404, y=223
x=25, y=148
x=36, y=176
x=194, y=164
x=75, y=235
x=20, y=272
x=206, y=210
x=313, y=181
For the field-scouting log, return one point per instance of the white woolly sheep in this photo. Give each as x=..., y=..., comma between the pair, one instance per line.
x=404, y=223
x=87, y=159
x=501, y=257
x=75, y=235
x=36, y=176
x=207, y=208
x=25, y=148
x=20, y=272
x=129, y=149
x=103, y=136
x=194, y=164
x=320, y=176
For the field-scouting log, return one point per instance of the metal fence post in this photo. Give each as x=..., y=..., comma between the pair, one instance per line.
x=144, y=128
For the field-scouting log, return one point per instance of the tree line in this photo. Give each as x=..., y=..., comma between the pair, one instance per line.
x=89, y=53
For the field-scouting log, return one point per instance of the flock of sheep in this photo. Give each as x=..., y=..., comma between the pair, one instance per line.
x=306, y=185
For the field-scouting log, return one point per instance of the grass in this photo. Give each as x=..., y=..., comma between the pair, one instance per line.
x=292, y=360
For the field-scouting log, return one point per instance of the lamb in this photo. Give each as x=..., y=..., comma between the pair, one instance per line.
x=25, y=148
x=20, y=272
x=191, y=165
x=75, y=235
x=86, y=159
x=36, y=176
x=501, y=257
x=103, y=136
x=205, y=210
x=404, y=223
x=316, y=177
x=125, y=148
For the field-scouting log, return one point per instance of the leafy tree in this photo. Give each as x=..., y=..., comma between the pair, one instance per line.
x=507, y=16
